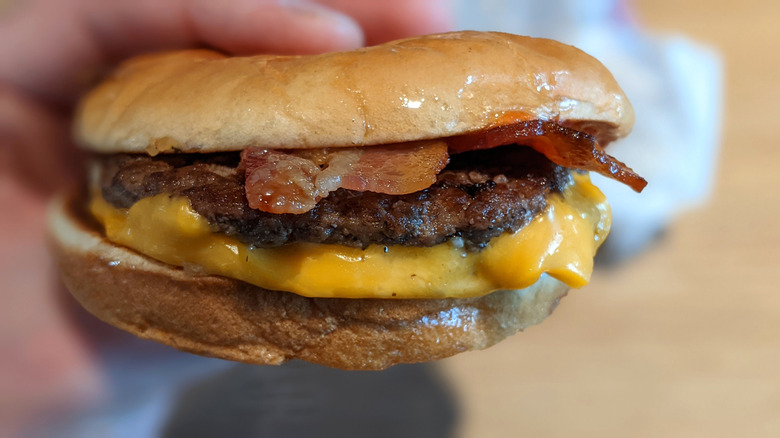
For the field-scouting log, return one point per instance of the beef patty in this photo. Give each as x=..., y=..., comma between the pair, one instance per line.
x=478, y=196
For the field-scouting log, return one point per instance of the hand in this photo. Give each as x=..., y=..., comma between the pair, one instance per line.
x=50, y=53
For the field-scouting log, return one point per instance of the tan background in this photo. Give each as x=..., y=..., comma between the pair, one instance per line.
x=684, y=340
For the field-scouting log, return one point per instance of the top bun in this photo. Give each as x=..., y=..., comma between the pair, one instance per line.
x=413, y=89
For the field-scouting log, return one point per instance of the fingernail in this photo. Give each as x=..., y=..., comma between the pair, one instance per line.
x=343, y=30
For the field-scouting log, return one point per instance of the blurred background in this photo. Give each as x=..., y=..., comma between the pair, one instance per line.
x=684, y=338
x=678, y=334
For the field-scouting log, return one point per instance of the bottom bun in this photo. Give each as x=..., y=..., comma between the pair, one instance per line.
x=231, y=319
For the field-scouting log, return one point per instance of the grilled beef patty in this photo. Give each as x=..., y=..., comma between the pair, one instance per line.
x=478, y=196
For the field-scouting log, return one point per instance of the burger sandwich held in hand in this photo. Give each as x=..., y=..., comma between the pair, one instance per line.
x=393, y=204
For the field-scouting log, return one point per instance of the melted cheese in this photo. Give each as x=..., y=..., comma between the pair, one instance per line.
x=560, y=242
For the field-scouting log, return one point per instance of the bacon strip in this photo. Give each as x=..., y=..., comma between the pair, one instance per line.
x=397, y=170
x=563, y=146
x=294, y=181
x=279, y=182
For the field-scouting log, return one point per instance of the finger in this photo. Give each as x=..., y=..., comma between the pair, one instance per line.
x=241, y=26
x=36, y=147
x=283, y=26
x=388, y=20
x=58, y=46
x=48, y=366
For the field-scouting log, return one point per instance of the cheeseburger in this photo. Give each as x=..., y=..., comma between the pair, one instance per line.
x=393, y=204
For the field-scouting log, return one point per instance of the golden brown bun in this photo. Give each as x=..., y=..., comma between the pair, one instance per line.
x=230, y=319
x=413, y=89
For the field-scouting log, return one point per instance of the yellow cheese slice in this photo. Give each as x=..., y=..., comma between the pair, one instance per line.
x=560, y=242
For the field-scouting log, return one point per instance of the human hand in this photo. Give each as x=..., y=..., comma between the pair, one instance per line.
x=50, y=53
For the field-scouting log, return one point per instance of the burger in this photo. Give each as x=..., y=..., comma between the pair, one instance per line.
x=393, y=204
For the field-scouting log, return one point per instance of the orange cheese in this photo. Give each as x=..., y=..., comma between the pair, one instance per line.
x=560, y=242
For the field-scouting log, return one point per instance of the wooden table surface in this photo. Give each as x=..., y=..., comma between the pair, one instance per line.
x=684, y=340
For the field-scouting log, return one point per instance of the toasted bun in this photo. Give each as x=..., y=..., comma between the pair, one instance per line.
x=414, y=89
x=230, y=319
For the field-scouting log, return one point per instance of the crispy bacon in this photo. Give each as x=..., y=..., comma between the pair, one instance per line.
x=397, y=170
x=294, y=181
x=563, y=146
x=279, y=182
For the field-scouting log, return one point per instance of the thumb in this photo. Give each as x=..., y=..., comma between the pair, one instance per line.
x=125, y=27
x=281, y=26
x=82, y=36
